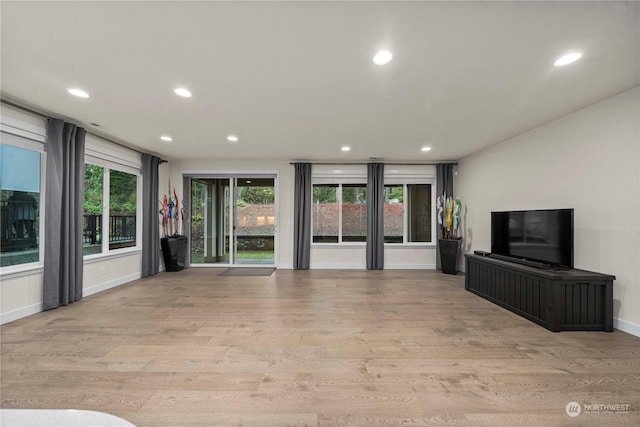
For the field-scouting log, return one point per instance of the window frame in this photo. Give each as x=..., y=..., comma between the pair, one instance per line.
x=405, y=215
x=340, y=213
x=340, y=202
x=32, y=138
x=104, y=173
x=394, y=175
x=405, y=181
x=108, y=160
x=329, y=175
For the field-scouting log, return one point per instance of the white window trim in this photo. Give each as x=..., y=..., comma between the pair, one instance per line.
x=339, y=200
x=238, y=173
x=12, y=135
x=393, y=175
x=95, y=149
x=413, y=174
x=9, y=125
x=405, y=219
x=121, y=165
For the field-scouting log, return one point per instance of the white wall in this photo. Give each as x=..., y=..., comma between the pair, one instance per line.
x=588, y=161
x=322, y=256
x=21, y=293
x=354, y=256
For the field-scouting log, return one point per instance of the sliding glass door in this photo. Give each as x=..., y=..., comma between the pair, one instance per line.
x=233, y=220
x=210, y=199
x=254, y=221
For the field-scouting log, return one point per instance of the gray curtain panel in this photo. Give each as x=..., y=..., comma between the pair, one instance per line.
x=150, y=216
x=62, y=276
x=444, y=185
x=375, y=216
x=302, y=216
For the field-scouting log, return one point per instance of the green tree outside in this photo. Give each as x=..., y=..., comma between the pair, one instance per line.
x=122, y=194
x=93, y=185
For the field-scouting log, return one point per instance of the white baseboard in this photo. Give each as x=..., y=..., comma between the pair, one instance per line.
x=337, y=267
x=110, y=284
x=364, y=267
x=20, y=313
x=410, y=267
x=37, y=308
x=628, y=327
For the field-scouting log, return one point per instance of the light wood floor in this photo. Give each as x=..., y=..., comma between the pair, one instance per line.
x=313, y=348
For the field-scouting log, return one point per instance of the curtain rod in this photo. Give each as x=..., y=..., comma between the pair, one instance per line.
x=45, y=114
x=386, y=163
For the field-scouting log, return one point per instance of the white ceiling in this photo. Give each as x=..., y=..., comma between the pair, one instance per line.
x=295, y=80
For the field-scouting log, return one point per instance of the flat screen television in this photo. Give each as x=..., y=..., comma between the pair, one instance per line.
x=542, y=236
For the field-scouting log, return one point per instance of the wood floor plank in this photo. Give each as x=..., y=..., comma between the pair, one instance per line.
x=200, y=419
x=134, y=381
x=313, y=348
x=400, y=420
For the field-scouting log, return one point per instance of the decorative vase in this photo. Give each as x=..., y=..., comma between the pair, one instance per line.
x=449, y=253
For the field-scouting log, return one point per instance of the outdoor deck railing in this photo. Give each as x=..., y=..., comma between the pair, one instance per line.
x=121, y=228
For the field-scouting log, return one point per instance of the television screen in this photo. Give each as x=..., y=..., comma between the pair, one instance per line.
x=544, y=236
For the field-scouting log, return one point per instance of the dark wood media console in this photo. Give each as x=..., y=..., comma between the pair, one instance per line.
x=559, y=300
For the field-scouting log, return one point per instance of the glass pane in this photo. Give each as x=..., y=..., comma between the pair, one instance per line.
x=419, y=207
x=19, y=169
x=354, y=213
x=255, y=221
x=393, y=213
x=209, y=238
x=324, y=214
x=92, y=217
x=20, y=227
x=20, y=211
x=198, y=214
x=122, y=209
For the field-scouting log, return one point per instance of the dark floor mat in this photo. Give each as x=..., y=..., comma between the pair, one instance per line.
x=248, y=271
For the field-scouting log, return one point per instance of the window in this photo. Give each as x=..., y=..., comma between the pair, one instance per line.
x=339, y=213
x=110, y=218
x=393, y=214
x=93, y=203
x=354, y=213
x=407, y=213
x=419, y=212
x=325, y=214
x=123, y=189
x=20, y=174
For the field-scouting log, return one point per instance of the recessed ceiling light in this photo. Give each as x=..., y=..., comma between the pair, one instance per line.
x=183, y=92
x=425, y=149
x=78, y=92
x=166, y=138
x=232, y=138
x=382, y=57
x=346, y=148
x=567, y=59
